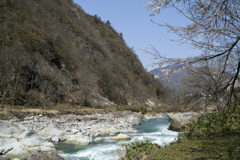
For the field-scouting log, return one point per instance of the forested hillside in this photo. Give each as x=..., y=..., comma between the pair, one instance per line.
x=52, y=51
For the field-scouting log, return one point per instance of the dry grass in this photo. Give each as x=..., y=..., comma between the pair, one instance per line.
x=63, y=109
x=39, y=111
x=52, y=110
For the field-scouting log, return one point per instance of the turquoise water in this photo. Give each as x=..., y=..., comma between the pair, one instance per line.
x=154, y=130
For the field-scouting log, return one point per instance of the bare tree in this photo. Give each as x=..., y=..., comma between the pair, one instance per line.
x=46, y=91
x=4, y=79
x=205, y=84
x=31, y=73
x=214, y=29
x=12, y=60
x=87, y=85
x=15, y=87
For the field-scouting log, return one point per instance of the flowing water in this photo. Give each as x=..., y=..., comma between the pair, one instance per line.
x=153, y=129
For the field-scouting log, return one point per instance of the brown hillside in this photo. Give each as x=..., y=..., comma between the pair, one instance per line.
x=52, y=51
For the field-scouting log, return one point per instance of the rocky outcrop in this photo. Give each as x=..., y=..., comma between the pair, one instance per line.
x=53, y=129
x=135, y=119
x=79, y=140
x=5, y=150
x=18, y=141
x=122, y=137
x=150, y=116
x=178, y=121
x=99, y=129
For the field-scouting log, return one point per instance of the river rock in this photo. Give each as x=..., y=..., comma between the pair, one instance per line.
x=55, y=139
x=4, y=158
x=98, y=129
x=126, y=113
x=53, y=129
x=70, y=118
x=135, y=118
x=62, y=139
x=79, y=140
x=98, y=140
x=5, y=150
x=27, y=142
x=67, y=129
x=122, y=137
x=86, y=141
x=178, y=121
x=74, y=131
x=8, y=128
x=147, y=116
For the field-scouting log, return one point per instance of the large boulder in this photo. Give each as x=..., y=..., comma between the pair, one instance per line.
x=15, y=141
x=178, y=121
x=79, y=140
x=53, y=129
x=135, y=118
x=24, y=144
x=55, y=139
x=104, y=130
x=97, y=140
x=70, y=118
x=122, y=137
x=8, y=128
x=74, y=131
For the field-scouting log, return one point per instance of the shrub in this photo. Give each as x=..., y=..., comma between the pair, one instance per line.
x=108, y=23
x=86, y=103
x=140, y=150
x=226, y=119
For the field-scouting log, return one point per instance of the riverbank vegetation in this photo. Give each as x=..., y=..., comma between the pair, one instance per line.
x=224, y=145
x=21, y=111
x=213, y=136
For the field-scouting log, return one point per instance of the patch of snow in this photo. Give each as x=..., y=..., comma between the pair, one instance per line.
x=156, y=76
x=102, y=100
x=150, y=103
x=75, y=10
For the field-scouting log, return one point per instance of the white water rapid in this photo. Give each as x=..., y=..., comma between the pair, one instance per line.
x=154, y=130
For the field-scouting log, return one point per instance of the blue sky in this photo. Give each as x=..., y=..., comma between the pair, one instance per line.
x=133, y=20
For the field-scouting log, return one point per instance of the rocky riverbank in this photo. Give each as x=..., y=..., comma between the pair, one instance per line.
x=36, y=132
x=178, y=121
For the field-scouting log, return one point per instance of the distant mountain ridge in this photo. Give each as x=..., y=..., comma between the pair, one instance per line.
x=174, y=82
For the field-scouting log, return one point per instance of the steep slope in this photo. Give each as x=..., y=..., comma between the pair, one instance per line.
x=52, y=51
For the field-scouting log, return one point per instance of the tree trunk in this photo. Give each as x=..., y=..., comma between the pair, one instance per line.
x=13, y=100
x=30, y=99
x=67, y=100
x=2, y=101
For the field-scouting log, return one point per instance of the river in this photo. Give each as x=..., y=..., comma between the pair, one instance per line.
x=153, y=129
